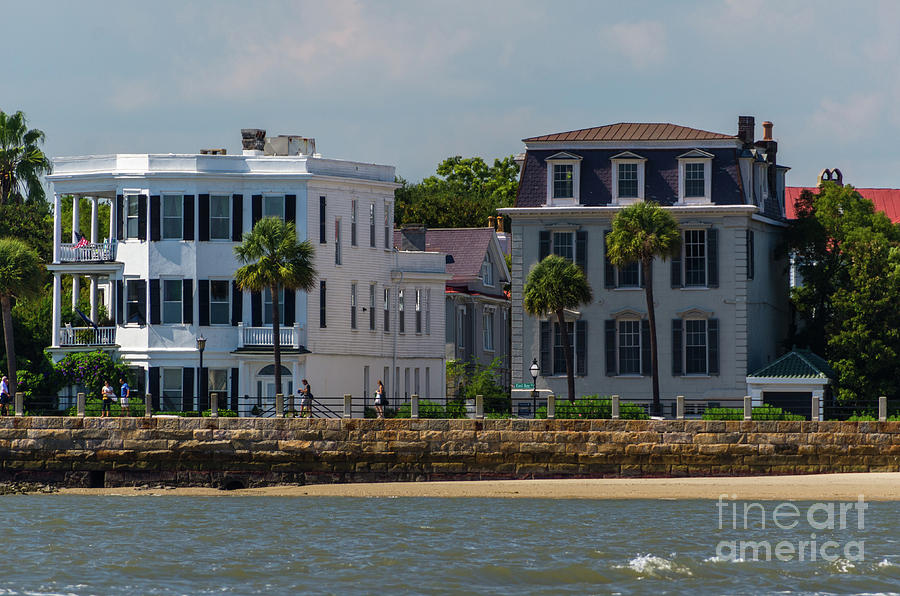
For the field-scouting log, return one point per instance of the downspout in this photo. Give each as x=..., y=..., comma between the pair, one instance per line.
x=395, y=319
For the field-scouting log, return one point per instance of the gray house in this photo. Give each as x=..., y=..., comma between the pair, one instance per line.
x=721, y=305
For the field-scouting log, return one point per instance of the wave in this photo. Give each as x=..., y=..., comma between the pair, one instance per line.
x=650, y=565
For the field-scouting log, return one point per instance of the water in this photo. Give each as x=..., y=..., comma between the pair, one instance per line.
x=66, y=544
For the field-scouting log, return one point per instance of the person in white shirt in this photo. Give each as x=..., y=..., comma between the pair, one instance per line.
x=5, y=397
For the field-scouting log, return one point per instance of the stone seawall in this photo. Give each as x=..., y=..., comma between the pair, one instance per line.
x=242, y=452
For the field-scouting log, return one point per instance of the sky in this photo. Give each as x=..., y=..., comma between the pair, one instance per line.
x=411, y=83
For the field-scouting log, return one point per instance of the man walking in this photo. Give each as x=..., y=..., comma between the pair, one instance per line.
x=5, y=398
x=124, y=394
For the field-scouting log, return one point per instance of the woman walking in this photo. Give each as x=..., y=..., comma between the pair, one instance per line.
x=108, y=394
x=380, y=400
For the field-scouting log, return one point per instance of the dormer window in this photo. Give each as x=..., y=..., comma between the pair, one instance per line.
x=563, y=175
x=627, y=178
x=694, y=177
x=487, y=271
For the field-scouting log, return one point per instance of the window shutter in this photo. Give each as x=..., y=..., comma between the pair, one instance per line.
x=676, y=348
x=237, y=217
x=581, y=250
x=646, y=363
x=187, y=389
x=203, y=217
x=203, y=302
x=187, y=301
x=610, y=333
x=290, y=300
x=237, y=304
x=581, y=348
x=120, y=296
x=323, y=203
x=543, y=244
x=256, y=210
x=751, y=255
x=154, y=302
x=546, y=350
x=187, y=229
x=235, y=388
x=256, y=309
x=142, y=217
x=142, y=301
x=712, y=258
x=290, y=208
x=120, y=217
x=203, y=382
x=712, y=345
x=676, y=271
x=155, y=218
x=153, y=386
x=609, y=272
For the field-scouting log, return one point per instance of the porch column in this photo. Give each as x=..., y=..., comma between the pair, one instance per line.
x=112, y=219
x=57, y=228
x=94, y=222
x=76, y=216
x=295, y=375
x=94, y=297
x=57, y=307
x=76, y=290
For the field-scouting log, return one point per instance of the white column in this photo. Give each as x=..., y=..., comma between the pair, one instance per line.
x=94, y=297
x=57, y=307
x=94, y=222
x=76, y=290
x=57, y=230
x=112, y=219
x=76, y=215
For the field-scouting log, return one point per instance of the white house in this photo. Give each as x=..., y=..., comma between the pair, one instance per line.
x=166, y=274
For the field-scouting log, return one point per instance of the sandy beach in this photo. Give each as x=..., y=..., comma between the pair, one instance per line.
x=873, y=486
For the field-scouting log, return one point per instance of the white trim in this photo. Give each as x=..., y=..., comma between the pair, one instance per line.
x=706, y=199
x=655, y=144
x=628, y=313
x=563, y=156
x=788, y=381
x=696, y=154
x=638, y=161
x=575, y=199
x=610, y=211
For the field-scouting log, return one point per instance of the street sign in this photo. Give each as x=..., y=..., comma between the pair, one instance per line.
x=523, y=385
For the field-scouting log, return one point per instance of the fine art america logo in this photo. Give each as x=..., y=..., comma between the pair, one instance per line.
x=810, y=527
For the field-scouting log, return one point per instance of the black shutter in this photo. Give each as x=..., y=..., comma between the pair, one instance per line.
x=676, y=270
x=187, y=389
x=203, y=217
x=142, y=217
x=256, y=208
x=154, y=302
x=187, y=301
x=323, y=203
x=581, y=250
x=235, y=388
x=610, y=334
x=712, y=258
x=323, y=305
x=290, y=208
x=187, y=232
x=153, y=386
x=581, y=348
x=543, y=244
x=142, y=301
x=676, y=348
x=237, y=217
x=256, y=309
x=203, y=302
x=203, y=381
x=119, y=305
x=546, y=350
x=609, y=272
x=237, y=304
x=645, y=347
x=289, y=307
x=751, y=255
x=120, y=217
x=155, y=217
x=712, y=342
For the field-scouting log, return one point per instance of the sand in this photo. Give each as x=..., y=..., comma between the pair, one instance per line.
x=833, y=487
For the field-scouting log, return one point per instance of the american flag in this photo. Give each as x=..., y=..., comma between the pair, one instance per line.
x=82, y=241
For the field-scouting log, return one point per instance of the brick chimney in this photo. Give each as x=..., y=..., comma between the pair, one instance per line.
x=746, y=129
x=412, y=237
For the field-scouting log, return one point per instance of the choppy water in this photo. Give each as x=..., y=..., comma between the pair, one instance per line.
x=63, y=544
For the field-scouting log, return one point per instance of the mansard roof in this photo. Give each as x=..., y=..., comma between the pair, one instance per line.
x=633, y=131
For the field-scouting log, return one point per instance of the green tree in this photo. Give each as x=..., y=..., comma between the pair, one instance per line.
x=273, y=259
x=20, y=276
x=552, y=286
x=640, y=233
x=91, y=369
x=22, y=163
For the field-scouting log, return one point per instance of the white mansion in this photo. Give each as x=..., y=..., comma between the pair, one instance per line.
x=165, y=274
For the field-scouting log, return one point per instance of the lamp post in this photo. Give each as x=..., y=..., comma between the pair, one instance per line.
x=201, y=345
x=534, y=369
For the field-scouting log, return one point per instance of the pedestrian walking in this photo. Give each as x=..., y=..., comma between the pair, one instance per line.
x=107, y=395
x=124, y=394
x=5, y=397
x=306, y=398
x=380, y=400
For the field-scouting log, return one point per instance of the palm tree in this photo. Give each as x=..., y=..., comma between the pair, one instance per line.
x=20, y=277
x=273, y=259
x=22, y=163
x=552, y=286
x=640, y=233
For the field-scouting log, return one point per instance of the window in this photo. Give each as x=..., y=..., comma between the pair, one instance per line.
x=629, y=276
x=461, y=331
x=273, y=206
x=219, y=217
x=629, y=347
x=559, y=351
x=173, y=217
x=695, y=258
x=487, y=323
x=352, y=306
x=388, y=236
x=563, y=173
x=219, y=302
x=564, y=245
x=171, y=390
x=267, y=306
x=322, y=205
x=387, y=310
x=337, y=240
x=322, y=303
x=487, y=271
x=135, y=301
x=694, y=180
x=372, y=225
x=132, y=209
x=353, y=217
x=627, y=180
x=401, y=316
x=371, y=307
x=563, y=184
x=171, y=313
x=217, y=382
x=418, y=311
x=695, y=360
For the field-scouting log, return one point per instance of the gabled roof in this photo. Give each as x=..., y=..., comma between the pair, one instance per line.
x=797, y=364
x=633, y=131
x=467, y=247
x=887, y=200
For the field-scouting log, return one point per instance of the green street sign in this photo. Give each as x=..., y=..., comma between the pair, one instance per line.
x=523, y=385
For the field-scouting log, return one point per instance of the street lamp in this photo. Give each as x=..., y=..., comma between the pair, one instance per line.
x=201, y=345
x=534, y=369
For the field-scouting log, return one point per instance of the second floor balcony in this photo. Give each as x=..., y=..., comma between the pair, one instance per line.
x=289, y=337
x=87, y=336
x=98, y=252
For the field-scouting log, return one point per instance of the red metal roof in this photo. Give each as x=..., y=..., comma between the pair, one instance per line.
x=887, y=200
x=634, y=131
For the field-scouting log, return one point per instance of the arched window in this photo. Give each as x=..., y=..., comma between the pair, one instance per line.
x=269, y=371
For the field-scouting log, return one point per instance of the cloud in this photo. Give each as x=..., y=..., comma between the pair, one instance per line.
x=643, y=43
x=852, y=119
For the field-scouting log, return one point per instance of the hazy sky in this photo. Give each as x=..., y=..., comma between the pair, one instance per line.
x=409, y=83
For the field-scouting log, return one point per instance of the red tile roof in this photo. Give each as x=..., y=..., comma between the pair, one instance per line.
x=887, y=200
x=634, y=131
x=467, y=245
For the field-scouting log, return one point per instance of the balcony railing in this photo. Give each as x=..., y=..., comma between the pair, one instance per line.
x=88, y=253
x=289, y=337
x=87, y=336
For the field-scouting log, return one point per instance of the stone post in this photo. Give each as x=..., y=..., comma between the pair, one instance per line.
x=748, y=407
x=815, y=408
x=213, y=405
x=479, y=407
x=551, y=407
x=148, y=405
x=80, y=404
x=615, y=407
x=679, y=407
x=348, y=406
x=20, y=403
x=414, y=405
x=279, y=405
x=882, y=409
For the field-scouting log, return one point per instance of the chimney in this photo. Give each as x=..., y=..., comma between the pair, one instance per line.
x=492, y=222
x=412, y=237
x=500, y=224
x=767, y=131
x=832, y=175
x=213, y=152
x=253, y=141
x=746, y=127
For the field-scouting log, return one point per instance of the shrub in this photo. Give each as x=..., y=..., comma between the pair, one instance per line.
x=223, y=413
x=430, y=409
x=764, y=412
x=594, y=407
